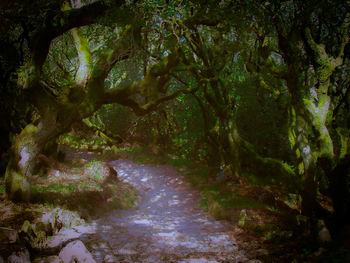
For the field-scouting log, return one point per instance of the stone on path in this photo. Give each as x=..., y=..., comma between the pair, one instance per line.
x=76, y=252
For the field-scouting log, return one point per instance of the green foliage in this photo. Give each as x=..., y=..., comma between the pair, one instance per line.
x=76, y=141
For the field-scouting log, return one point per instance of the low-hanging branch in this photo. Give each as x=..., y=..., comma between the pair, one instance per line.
x=123, y=97
x=103, y=133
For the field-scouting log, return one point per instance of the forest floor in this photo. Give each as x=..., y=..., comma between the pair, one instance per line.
x=169, y=221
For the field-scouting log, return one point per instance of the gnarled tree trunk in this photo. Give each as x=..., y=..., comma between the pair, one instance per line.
x=24, y=153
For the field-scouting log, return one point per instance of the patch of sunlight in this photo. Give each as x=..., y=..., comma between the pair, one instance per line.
x=144, y=179
x=306, y=150
x=186, y=244
x=171, y=235
x=142, y=222
x=200, y=220
x=121, y=173
x=24, y=156
x=313, y=93
x=173, y=202
x=157, y=197
x=171, y=227
x=106, y=228
x=219, y=238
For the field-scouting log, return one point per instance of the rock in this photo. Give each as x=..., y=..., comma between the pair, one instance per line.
x=27, y=234
x=242, y=219
x=50, y=259
x=99, y=171
x=64, y=218
x=34, y=234
x=251, y=221
x=20, y=256
x=49, y=223
x=65, y=235
x=221, y=176
x=27, y=228
x=323, y=233
x=76, y=252
x=8, y=235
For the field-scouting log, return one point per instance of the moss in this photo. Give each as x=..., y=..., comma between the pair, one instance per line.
x=344, y=141
x=85, y=57
x=17, y=186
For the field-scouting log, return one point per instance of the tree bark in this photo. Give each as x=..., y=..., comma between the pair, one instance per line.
x=24, y=153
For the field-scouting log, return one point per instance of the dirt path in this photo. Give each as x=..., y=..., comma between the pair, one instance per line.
x=167, y=225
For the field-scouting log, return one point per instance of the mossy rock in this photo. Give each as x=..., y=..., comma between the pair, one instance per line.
x=27, y=228
x=246, y=221
x=34, y=234
x=65, y=218
x=99, y=171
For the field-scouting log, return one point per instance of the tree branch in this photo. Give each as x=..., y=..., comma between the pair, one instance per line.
x=122, y=96
x=85, y=57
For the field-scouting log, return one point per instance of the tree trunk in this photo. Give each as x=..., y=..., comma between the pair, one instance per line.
x=24, y=152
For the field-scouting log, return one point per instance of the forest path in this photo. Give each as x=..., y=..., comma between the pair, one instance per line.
x=167, y=224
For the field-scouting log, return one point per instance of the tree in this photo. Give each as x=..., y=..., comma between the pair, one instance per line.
x=216, y=39
x=84, y=91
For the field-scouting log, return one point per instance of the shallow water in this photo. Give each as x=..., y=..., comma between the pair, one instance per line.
x=167, y=224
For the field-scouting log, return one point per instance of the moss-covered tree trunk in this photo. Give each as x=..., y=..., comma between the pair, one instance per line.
x=85, y=96
x=23, y=159
x=310, y=108
x=229, y=140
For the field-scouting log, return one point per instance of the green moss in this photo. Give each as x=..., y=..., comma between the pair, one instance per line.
x=344, y=141
x=17, y=186
x=54, y=188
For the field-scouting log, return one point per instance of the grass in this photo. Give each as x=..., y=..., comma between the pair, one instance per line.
x=78, y=142
x=54, y=188
x=89, y=189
